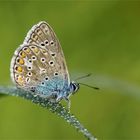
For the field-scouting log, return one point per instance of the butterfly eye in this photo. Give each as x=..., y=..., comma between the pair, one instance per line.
x=55, y=96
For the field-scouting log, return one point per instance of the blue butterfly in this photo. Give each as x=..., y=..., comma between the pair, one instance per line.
x=39, y=65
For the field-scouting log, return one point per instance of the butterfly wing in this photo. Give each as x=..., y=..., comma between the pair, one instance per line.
x=39, y=57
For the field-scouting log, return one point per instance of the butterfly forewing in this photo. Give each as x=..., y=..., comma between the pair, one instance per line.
x=39, y=57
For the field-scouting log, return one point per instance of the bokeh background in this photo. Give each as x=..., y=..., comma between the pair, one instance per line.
x=99, y=37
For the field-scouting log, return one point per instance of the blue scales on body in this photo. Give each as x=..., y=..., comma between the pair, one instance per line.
x=56, y=89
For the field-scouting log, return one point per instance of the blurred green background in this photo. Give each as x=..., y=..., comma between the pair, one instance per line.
x=99, y=37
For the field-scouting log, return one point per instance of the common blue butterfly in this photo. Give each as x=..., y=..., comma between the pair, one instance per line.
x=38, y=65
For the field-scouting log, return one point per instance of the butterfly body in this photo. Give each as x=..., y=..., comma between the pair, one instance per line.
x=38, y=65
x=55, y=90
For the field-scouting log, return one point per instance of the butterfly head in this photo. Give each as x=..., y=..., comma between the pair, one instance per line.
x=74, y=87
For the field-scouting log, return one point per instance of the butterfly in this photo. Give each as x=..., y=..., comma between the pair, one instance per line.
x=39, y=65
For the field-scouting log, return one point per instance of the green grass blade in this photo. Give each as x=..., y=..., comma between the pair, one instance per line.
x=56, y=108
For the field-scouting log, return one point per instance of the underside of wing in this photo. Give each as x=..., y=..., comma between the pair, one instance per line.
x=40, y=57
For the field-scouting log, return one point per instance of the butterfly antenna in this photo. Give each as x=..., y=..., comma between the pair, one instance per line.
x=89, y=86
x=85, y=76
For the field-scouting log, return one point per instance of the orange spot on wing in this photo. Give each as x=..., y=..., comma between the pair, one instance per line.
x=20, y=80
x=19, y=69
x=44, y=51
x=20, y=61
x=27, y=50
x=36, y=50
x=22, y=54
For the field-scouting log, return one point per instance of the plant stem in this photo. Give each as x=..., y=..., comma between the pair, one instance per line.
x=56, y=108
